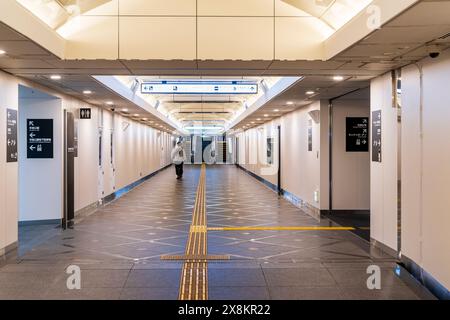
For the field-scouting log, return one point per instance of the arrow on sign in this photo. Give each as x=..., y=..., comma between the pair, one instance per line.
x=32, y=148
x=32, y=135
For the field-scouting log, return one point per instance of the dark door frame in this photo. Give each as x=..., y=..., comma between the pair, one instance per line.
x=69, y=170
x=280, y=189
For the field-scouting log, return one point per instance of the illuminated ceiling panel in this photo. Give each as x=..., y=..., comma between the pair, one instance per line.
x=333, y=13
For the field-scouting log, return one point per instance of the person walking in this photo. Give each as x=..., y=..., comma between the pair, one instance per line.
x=178, y=157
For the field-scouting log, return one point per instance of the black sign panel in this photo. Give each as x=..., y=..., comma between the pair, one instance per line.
x=11, y=135
x=376, y=136
x=310, y=136
x=357, y=134
x=85, y=113
x=40, y=138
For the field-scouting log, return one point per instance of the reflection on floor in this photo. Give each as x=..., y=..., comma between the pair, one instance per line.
x=118, y=248
x=31, y=236
x=360, y=220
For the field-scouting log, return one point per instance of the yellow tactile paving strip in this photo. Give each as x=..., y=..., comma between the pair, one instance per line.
x=281, y=229
x=194, y=275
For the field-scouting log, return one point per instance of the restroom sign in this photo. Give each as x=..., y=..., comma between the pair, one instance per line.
x=85, y=113
x=357, y=134
x=40, y=138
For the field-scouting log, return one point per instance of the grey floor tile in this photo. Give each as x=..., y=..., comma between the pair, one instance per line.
x=97, y=279
x=9, y=293
x=358, y=278
x=236, y=278
x=154, y=278
x=299, y=277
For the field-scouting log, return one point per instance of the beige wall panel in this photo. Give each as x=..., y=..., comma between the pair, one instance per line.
x=92, y=38
x=235, y=38
x=383, y=193
x=110, y=8
x=157, y=38
x=8, y=171
x=298, y=38
x=158, y=7
x=107, y=167
x=86, y=178
x=411, y=194
x=300, y=168
x=235, y=8
x=436, y=168
x=286, y=10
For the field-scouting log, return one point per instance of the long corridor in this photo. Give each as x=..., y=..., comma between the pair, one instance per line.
x=261, y=247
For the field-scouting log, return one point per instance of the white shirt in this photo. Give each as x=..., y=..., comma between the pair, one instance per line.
x=178, y=155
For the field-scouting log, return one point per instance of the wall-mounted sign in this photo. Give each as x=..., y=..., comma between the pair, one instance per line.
x=310, y=135
x=85, y=113
x=270, y=150
x=199, y=87
x=11, y=135
x=376, y=136
x=40, y=138
x=357, y=134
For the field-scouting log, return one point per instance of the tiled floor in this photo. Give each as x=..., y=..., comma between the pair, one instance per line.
x=118, y=248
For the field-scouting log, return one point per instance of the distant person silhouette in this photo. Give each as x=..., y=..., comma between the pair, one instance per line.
x=178, y=157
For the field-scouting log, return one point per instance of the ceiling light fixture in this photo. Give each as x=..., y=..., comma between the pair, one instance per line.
x=2, y=52
x=276, y=110
x=338, y=78
x=87, y=92
x=55, y=77
x=310, y=92
x=125, y=110
x=289, y=103
x=203, y=128
x=109, y=103
x=259, y=119
x=266, y=115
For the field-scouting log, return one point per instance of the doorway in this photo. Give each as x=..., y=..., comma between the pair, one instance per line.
x=206, y=146
x=46, y=168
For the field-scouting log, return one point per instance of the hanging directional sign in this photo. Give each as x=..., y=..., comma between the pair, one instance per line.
x=39, y=138
x=11, y=135
x=357, y=134
x=376, y=136
x=199, y=87
x=85, y=113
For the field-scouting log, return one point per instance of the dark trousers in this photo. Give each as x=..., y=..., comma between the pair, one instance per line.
x=179, y=169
